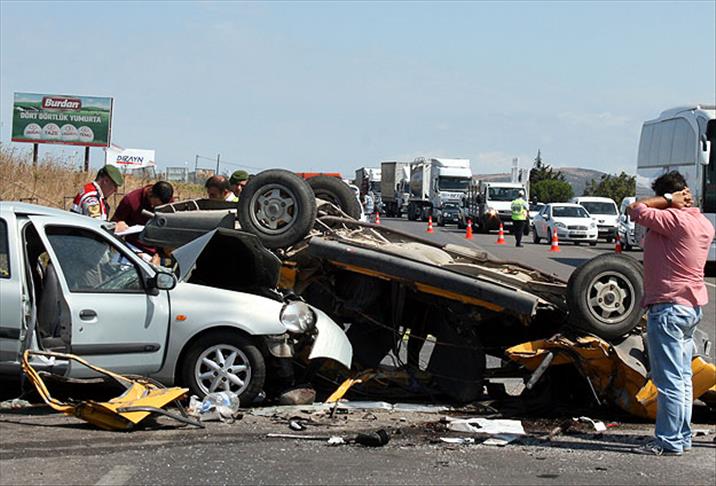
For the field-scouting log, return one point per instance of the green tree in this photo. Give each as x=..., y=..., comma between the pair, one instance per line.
x=616, y=187
x=551, y=190
x=543, y=172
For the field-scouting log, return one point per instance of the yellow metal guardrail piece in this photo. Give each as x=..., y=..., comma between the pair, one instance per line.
x=140, y=399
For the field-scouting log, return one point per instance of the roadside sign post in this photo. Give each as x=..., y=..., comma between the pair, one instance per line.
x=84, y=121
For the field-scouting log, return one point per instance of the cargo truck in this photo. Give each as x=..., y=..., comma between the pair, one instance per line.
x=395, y=187
x=489, y=203
x=435, y=182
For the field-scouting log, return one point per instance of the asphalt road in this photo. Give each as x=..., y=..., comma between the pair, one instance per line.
x=38, y=446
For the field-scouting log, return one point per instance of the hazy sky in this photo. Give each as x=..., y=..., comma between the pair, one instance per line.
x=334, y=86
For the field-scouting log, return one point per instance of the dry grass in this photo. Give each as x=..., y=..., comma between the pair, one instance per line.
x=54, y=182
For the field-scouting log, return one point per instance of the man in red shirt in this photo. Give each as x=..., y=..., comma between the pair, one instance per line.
x=676, y=248
x=147, y=198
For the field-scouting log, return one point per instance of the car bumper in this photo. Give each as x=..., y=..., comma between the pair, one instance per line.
x=570, y=235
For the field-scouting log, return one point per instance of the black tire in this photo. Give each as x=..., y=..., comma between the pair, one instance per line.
x=604, y=295
x=592, y=243
x=267, y=196
x=226, y=341
x=336, y=191
x=535, y=237
x=411, y=213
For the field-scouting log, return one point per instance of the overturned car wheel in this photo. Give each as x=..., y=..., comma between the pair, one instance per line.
x=337, y=192
x=278, y=207
x=224, y=361
x=604, y=296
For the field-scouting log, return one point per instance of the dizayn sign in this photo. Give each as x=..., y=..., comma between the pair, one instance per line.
x=130, y=158
x=60, y=119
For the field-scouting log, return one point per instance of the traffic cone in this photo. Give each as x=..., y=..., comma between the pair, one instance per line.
x=617, y=244
x=555, y=243
x=468, y=232
x=377, y=218
x=501, y=236
x=430, y=225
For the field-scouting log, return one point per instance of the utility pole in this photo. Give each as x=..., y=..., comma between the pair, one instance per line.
x=218, y=157
x=196, y=167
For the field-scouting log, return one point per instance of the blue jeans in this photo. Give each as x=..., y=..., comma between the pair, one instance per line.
x=670, y=331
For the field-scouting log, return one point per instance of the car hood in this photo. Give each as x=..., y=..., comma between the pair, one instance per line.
x=575, y=221
x=228, y=259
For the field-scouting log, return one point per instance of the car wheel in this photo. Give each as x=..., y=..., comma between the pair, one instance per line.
x=604, y=295
x=224, y=361
x=337, y=192
x=592, y=243
x=535, y=237
x=277, y=206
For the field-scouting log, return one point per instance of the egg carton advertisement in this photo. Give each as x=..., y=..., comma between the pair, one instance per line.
x=62, y=119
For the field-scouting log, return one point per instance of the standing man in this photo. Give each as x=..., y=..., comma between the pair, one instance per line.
x=217, y=188
x=676, y=247
x=237, y=181
x=92, y=198
x=520, y=211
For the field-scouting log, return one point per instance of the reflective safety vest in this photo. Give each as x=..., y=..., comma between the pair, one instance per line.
x=90, y=202
x=519, y=209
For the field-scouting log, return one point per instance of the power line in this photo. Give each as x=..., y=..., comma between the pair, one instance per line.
x=233, y=164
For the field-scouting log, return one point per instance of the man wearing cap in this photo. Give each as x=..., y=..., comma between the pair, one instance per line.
x=237, y=181
x=520, y=210
x=92, y=198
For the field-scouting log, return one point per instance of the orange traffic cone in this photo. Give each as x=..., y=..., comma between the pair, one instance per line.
x=430, y=225
x=617, y=244
x=501, y=236
x=377, y=218
x=468, y=232
x=555, y=242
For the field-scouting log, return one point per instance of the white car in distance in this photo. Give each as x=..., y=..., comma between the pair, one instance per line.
x=604, y=212
x=572, y=222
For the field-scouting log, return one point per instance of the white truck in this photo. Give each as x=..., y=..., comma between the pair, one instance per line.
x=489, y=203
x=395, y=187
x=435, y=182
x=681, y=139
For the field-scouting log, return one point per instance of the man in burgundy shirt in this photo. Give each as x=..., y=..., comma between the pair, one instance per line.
x=133, y=203
x=147, y=198
x=676, y=248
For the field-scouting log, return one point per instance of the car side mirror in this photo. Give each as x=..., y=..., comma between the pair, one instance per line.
x=162, y=281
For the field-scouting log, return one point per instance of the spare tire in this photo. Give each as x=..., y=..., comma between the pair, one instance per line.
x=278, y=207
x=337, y=192
x=604, y=295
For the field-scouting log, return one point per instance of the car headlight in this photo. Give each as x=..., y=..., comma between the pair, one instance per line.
x=491, y=211
x=560, y=225
x=298, y=317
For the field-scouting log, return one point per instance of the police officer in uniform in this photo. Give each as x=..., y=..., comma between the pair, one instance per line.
x=92, y=198
x=520, y=211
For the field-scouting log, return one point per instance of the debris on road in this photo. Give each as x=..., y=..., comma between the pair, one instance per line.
x=223, y=406
x=480, y=425
x=298, y=396
x=13, y=404
x=597, y=424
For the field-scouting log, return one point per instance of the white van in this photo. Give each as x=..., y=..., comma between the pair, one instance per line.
x=681, y=139
x=604, y=212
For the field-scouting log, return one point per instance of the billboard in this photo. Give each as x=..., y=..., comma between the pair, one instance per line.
x=129, y=158
x=61, y=119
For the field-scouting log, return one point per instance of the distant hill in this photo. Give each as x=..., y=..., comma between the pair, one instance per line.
x=577, y=177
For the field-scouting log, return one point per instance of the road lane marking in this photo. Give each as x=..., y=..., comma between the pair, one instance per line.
x=117, y=476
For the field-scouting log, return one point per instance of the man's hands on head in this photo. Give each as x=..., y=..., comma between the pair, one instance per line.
x=682, y=199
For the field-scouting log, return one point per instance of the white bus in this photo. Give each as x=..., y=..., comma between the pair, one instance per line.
x=681, y=139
